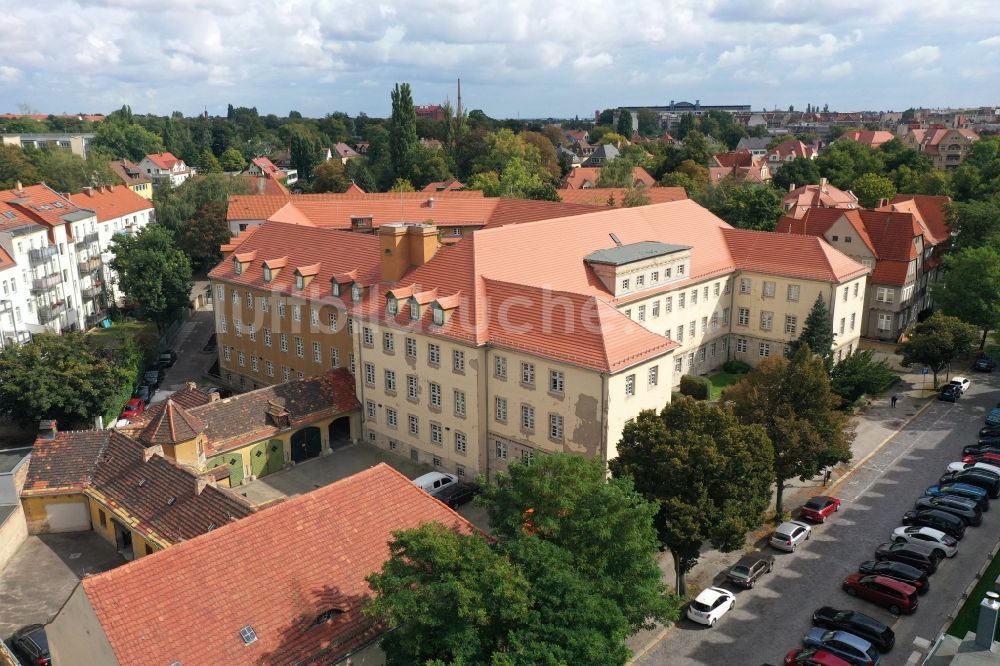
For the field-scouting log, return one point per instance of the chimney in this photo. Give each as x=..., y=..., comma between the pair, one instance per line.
x=404, y=246
x=213, y=396
x=822, y=182
x=430, y=202
x=89, y=191
x=201, y=482
x=423, y=240
x=989, y=609
x=883, y=202
x=47, y=429
x=151, y=451
x=192, y=385
x=791, y=187
x=20, y=190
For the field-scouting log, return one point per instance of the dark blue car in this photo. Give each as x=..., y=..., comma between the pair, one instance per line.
x=966, y=490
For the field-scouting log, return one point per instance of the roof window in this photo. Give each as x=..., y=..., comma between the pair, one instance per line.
x=328, y=615
x=267, y=274
x=141, y=483
x=248, y=635
x=170, y=502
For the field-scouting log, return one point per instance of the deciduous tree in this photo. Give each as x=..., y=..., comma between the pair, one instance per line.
x=208, y=162
x=800, y=171
x=330, y=176
x=153, y=273
x=860, y=374
x=871, y=188
x=971, y=288
x=624, y=126
x=201, y=236
x=402, y=129
x=232, y=160
x=936, y=342
x=710, y=474
x=746, y=206
x=15, y=167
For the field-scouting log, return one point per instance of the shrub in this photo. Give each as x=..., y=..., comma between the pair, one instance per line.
x=698, y=388
x=736, y=367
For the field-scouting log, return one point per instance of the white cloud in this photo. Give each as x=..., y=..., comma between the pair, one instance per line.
x=597, y=61
x=9, y=74
x=922, y=55
x=990, y=41
x=838, y=71
x=736, y=56
x=823, y=47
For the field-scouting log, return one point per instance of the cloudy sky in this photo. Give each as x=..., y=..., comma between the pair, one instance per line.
x=527, y=58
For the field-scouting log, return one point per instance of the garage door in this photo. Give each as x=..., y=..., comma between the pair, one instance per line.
x=68, y=516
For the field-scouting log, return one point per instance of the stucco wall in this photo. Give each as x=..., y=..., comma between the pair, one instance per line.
x=13, y=532
x=76, y=637
x=56, y=513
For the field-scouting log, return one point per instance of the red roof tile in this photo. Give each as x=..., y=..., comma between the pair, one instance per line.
x=929, y=210
x=163, y=160
x=257, y=207
x=129, y=172
x=873, y=139
x=808, y=257
x=172, y=425
x=825, y=195
x=817, y=222
x=599, y=196
x=583, y=177
x=65, y=463
x=111, y=202
x=310, y=554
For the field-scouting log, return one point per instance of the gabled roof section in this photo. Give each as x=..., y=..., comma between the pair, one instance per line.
x=929, y=211
x=892, y=234
x=790, y=255
x=818, y=221
x=186, y=398
x=64, y=464
x=129, y=172
x=111, y=202
x=172, y=425
x=316, y=555
x=258, y=207
x=164, y=160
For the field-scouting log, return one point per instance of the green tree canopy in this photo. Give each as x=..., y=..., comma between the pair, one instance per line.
x=121, y=137
x=649, y=122
x=710, y=474
x=974, y=223
x=745, y=206
x=208, y=162
x=971, y=288
x=305, y=148
x=201, y=236
x=65, y=172
x=871, y=188
x=402, y=130
x=232, y=160
x=177, y=204
x=624, y=126
x=844, y=161
x=800, y=171
x=330, y=176
x=817, y=333
x=153, y=273
x=936, y=342
x=793, y=401
x=15, y=167
x=860, y=374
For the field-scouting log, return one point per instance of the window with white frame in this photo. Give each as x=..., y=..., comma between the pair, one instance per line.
x=557, y=381
x=264, y=304
x=267, y=337
x=741, y=345
x=435, y=392
x=846, y=294
x=843, y=325
x=655, y=311
x=367, y=337
x=653, y=375
x=390, y=380
x=388, y=342
x=350, y=326
x=249, y=300
x=629, y=385
x=766, y=320
x=640, y=280
x=227, y=353
x=556, y=426
x=855, y=290
x=765, y=349
x=220, y=293
x=528, y=374
x=715, y=289
x=500, y=411
x=300, y=347
x=411, y=347
x=501, y=450
x=414, y=424
x=333, y=321
x=269, y=368
x=350, y=360
x=458, y=360
x=500, y=367
x=283, y=340
x=411, y=387
x=691, y=328
x=252, y=332
x=433, y=354
x=681, y=300
x=744, y=285
x=222, y=323
x=680, y=333
x=678, y=364
x=704, y=324
x=254, y=364
x=459, y=397
x=437, y=434
x=317, y=352
x=768, y=289
x=527, y=417
x=286, y=373
x=853, y=320
x=669, y=304
x=461, y=443
x=690, y=360
x=314, y=316
x=391, y=417
x=281, y=309
x=791, y=323
x=238, y=327
x=793, y=292
x=694, y=297
x=236, y=297
x=743, y=317
x=370, y=409
x=370, y=374
x=334, y=357
x=642, y=313
x=296, y=312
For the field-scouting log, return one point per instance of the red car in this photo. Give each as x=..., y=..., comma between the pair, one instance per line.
x=819, y=507
x=989, y=458
x=133, y=408
x=811, y=656
x=897, y=596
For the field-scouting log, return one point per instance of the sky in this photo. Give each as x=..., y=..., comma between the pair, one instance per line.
x=516, y=58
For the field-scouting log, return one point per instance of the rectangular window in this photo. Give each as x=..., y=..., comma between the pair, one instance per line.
x=629, y=385
x=843, y=324
x=744, y=285
x=254, y=364
x=435, y=390
x=269, y=368
x=628, y=313
x=680, y=333
x=241, y=359
x=557, y=381
x=768, y=289
x=390, y=380
x=653, y=376
x=743, y=317
x=640, y=280
x=501, y=450
x=855, y=290
x=350, y=326
x=236, y=297
x=350, y=360
x=283, y=342
x=333, y=322
x=654, y=277
x=391, y=419
x=791, y=323
x=222, y=323
x=527, y=417
x=367, y=337
x=334, y=357
x=296, y=312
x=461, y=444
x=388, y=342
x=656, y=309
x=691, y=328
x=411, y=347
x=500, y=411
x=766, y=320
x=715, y=289
x=741, y=345
x=704, y=324
x=314, y=317
x=238, y=327
x=264, y=304
x=300, y=347
x=252, y=332
x=725, y=316
x=414, y=424
x=317, y=353
x=528, y=374
x=459, y=403
x=694, y=297
x=458, y=360
x=286, y=373
x=669, y=304
x=220, y=291
x=281, y=309
x=690, y=360
x=678, y=364
x=267, y=337
x=249, y=301
x=227, y=353
x=853, y=319
x=765, y=349
x=846, y=290
x=793, y=292
x=437, y=435
x=370, y=374
x=500, y=367
x=370, y=409
x=642, y=313
x=680, y=300
x=625, y=284
x=556, y=426
x=411, y=387
x=433, y=354
x=884, y=294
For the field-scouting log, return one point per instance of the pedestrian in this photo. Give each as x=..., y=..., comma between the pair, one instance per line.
x=826, y=477
x=893, y=401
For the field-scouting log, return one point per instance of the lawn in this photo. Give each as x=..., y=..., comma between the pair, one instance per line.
x=721, y=380
x=143, y=332
x=968, y=616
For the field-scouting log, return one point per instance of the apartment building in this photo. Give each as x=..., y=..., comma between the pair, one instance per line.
x=130, y=174
x=947, y=148
x=77, y=143
x=165, y=169
x=541, y=336
x=798, y=200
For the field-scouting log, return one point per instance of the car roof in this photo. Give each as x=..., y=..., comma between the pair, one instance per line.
x=958, y=379
x=819, y=499
x=432, y=476
x=790, y=525
x=921, y=529
x=751, y=559
x=710, y=594
x=895, y=584
x=851, y=639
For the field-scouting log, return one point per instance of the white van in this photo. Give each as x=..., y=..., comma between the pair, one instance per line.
x=433, y=482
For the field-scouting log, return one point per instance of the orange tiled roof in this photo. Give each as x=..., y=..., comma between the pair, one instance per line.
x=172, y=425
x=808, y=257
x=65, y=463
x=873, y=139
x=599, y=196
x=163, y=160
x=817, y=221
x=825, y=195
x=450, y=185
x=38, y=204
x=257, y=207
x=582, y=177
x=928, y=210
x=129, y=172
x=265, y=185
x=314, y=551
x=111, y=201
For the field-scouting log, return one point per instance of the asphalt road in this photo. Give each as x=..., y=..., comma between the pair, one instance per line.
x=771, y=619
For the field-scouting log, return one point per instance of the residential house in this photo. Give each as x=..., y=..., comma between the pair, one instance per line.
x=824, y=195
x=872, y=139
x=130, y=174
x=603, y=153
x=285, y=585
x=165, y=169
x=568, y=157
x=343, y=152
x=468, y=355
x=788, y=150
x=76, y=142
x=583, y=148
x=450, y=185
x=947, y=148
x=741, y=166
x=574, y=135
x=119, y=210
x=586, y=177
x=615, y=196
x=125, y=491
x=756, y=145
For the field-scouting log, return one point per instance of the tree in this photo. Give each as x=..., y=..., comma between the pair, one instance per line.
x=330, y=176
x=208, y=162
x=121, y=137
x=936, y=342
x=684, y=126
x=60, y=377
x=746, y=206
x=971, y=288
x=402, y=185
x=201, y=236
x=428, y=165
x=16, y=168
x=634, y=196
x=606, y=117
x=65, y=172
x=359, y=174
x=606, y=526
x=402, y=130
x=617, y=173
x=817, y=333
x=233, y=160
x=649, y=122
x=624, y=126
x=793, y=401
x=800, y=171
x=974, y=223
x=844, y=161
x=153, y=273
x=696, y=147
x=177, y=204
x=860, y=374
x=710, y=474
x=305, y=149
x=871, y=189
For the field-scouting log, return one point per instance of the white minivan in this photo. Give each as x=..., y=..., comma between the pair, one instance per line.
x=433, y=482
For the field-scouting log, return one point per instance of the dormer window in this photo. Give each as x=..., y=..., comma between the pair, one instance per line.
x=336, y=289
x=391, y=306
x=414, y=309
x=300, y=282
x=438, y=315
x=267, y=274
x=237, y=267
x=355, y=292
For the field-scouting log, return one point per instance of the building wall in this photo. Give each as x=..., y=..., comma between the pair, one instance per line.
x=621, y=406
x=13, y=532
x=56, y=513
x=76, y=636
x=140, y=545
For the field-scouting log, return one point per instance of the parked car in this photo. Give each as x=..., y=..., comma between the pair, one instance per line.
x=819, y=507
x=154, y=377
x=457, y=494
x=908, y=553
x=963, y=490
x=811, y=656
x=945, y=522
x=432, y=482
x=32, y=643
x=710, y=605
x=962, y=383
x=789, y=534
x=144, y=392
x=888, y=592
x=965, y=509
x=939, y=542
x=981, y=448
x=958, y=466
x=988, y=481
x=984, y=364
x=847, y=646
x=133, y=408
x=983, y=457
x=166, y=359
x=750, y=567
x=950, y=393
x=993, y=418
x=898, y=570
x=989, y=430
x=859, y=624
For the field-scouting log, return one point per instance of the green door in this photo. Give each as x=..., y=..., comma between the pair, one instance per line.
x=275, y=456
x=235, y=462
x=258, y=459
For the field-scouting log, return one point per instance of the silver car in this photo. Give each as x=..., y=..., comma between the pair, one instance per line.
x=789, y=534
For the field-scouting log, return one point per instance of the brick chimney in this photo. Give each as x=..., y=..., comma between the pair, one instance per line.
x=405, y=246
x=151, y=451
x=47, y=429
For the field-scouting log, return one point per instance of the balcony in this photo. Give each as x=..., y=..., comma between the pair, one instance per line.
x=88, y=266
x=96, y=318
x=40, y=255
x=45, y=283
x=92, y=292
x=51, y=312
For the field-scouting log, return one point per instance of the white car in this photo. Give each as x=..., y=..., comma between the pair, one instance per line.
x=926, y=536
x=789, y=534
x=959, y=466
x=961, y=382
x=710, y=605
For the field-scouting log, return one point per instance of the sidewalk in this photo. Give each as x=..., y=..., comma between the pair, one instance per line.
x=876, y=424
